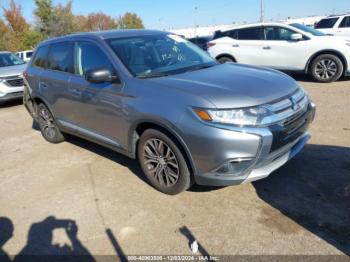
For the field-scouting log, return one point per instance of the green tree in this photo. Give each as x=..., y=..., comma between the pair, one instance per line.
x=44, y=13
x=31, y=39
x=130, y=21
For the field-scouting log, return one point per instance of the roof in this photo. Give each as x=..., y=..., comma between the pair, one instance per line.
x=109, y=34
x=253, y=25
x=5, y=52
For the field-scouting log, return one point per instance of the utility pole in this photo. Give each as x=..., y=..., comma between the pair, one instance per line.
x=262, y=11
x=196, y=8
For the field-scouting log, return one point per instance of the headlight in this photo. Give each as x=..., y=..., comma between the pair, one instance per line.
x=240, y=117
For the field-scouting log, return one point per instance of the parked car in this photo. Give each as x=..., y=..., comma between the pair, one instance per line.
x=25, y=55
x=11, y=81
x=156, y=97
x=335, y=25
x=202, y=42
x=284, y=47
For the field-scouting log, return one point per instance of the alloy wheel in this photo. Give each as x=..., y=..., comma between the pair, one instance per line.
x=326, y=69
x=47, y=123
x=161, y=162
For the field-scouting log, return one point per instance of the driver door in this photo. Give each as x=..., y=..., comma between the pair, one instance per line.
x=99, y=112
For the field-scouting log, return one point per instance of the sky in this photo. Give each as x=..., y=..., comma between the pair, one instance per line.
x=174, y=14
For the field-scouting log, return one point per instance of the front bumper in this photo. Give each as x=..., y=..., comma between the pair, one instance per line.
x=11, y=96
x=268, y=156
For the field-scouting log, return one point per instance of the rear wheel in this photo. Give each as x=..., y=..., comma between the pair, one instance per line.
x=326, y=68
x=225, y=59
x=163, y=163
x=47, y=125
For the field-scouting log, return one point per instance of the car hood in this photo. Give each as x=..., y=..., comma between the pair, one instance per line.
x=233, y=85
x=12, y=70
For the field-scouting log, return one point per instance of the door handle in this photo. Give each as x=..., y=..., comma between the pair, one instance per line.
x=235, y=45
x=43, y=85
x=76, y=91
x=267, y=47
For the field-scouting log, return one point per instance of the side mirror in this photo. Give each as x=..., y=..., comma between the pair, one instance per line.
x=101, y=75
x=296, y=37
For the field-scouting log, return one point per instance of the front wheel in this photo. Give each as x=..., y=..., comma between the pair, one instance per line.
x=225, y=59
x=163, y=163
x=326, y=68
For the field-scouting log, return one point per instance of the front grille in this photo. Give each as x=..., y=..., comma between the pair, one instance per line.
x=292, y=117
x=15, y=82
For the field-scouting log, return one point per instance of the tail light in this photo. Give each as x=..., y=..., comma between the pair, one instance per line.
x=25, y=75
x=210, y=44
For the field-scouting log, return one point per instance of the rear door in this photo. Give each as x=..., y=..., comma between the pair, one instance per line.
x=99, y=113
x=248, y=45
x=55, y=80
x=280, y=52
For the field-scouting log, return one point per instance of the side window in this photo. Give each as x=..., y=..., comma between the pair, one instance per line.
x=233, y=34
x=60, y=57
x=40, y=59
x=326, y=23
x=274, y=33
x=254, y=33
x=346, y=22
x=89, y=56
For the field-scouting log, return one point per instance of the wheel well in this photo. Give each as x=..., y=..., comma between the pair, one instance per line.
x=226, y=55
x=327, y=52
x=141, y=128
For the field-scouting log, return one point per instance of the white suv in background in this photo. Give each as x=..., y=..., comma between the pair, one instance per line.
x=25, y=55
x=292, y=47
x=11, y=80
x=335, y=25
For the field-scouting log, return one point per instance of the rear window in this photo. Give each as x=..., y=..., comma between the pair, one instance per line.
x=327, y=23
x=40, y=59
x=29, y=54
x=345, y=22
x=60, y=57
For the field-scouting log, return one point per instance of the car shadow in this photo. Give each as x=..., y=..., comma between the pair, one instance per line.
x=314, y=191
x=114, y=156
x=306, y=78
x=11, y=103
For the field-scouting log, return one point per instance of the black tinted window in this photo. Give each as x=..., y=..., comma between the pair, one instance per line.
x=278, y=33
x=255, y=33
x=326, y=23
x=345, y=22
x=60, y=57
x=88, y=56
x=40, y=59
x=232, y=33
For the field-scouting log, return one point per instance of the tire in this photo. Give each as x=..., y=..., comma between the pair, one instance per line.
x=47, y=125
x=170, y=176
x=225, y=59
x=326, y=68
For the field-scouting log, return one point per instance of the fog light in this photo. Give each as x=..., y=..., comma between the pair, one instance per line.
x=234, y=167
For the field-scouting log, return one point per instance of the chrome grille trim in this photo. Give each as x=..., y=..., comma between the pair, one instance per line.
x=283, y=110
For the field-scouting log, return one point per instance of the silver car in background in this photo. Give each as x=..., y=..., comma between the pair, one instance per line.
x=11, y=80
x=158, y=98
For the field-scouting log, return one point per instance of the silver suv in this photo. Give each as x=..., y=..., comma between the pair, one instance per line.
x=156, y=97
x=11, y=81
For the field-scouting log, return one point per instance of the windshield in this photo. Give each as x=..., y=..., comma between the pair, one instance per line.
x=10, y=60
x=308, y=29
x=159, y=55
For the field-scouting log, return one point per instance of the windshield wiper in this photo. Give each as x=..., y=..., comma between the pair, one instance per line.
x=154, y=75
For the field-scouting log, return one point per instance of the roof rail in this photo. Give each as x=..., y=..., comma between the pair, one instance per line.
x=339, y=15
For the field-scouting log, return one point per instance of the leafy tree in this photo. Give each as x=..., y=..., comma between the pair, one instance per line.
x=62, y=20
x=130, y=21
x=44, y=13
x=3, y=32
x=16, y=26
x=100, y=21
x=31, y=39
